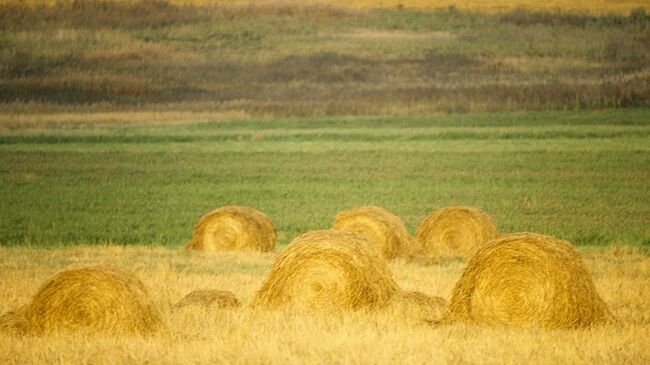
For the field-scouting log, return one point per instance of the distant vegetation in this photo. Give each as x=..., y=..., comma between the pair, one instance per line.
x=315, y=60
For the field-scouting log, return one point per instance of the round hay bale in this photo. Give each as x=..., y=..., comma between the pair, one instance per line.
x=209, y=298
x=455, y=231
x=416, y=307
x=386, y=230
x=234, y=228
x=97, y=299
x=527, y=280
x=328, y=270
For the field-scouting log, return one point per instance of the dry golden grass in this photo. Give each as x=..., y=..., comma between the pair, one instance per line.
x=595, y=7
x=621, y=275
x=56, y=120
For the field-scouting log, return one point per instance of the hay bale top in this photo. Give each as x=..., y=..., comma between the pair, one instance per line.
x=209, y=298
x=234, y=228
x=416, y=307
x=95, y=299
x=328, y=270
x=527, y=280
x=455, y=231
x=383, y=228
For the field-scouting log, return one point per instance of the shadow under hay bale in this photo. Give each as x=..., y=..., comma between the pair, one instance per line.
x=328, y=270
x=96, y=299
x=455, y=231
x=416, y=307
x=527, y=280
x=234, y=228
x=384, y=228
x=209, y=299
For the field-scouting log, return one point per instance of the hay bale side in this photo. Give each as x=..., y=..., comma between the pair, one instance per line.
x=416, y=308
x=96, y=299
x=384, y=228
x=209, y=299
x=455, y=231
x=234, y=228
x=527, y=280
x=328, y=270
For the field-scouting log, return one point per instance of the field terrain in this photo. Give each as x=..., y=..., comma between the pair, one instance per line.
x=582, y=176
x=581, y=6
x=289, y=59
x=123, y=122
x=250, y=336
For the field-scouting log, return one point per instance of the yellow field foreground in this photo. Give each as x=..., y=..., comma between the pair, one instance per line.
x=594, y=7
x=622, y=277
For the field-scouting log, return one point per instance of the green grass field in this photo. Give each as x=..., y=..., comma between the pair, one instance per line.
x=581, y=176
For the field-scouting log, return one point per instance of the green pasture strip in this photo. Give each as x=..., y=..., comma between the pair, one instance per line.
x=588, y=185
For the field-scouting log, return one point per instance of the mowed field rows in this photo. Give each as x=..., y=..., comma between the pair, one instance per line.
x=580, y=176
x=252, y=336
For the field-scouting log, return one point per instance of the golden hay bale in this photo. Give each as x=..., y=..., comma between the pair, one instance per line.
x=383, y=228
x=328, y=270
x=417, y=307
x=527, y=280
x=209, y=298
x=234, y=228
x=455, y=231
x=111, y=300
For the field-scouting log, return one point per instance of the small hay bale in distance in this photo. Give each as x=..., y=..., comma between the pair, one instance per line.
x=234, y=228
x=328, y=271
x=384, y=228
x=96, y=299
x=416, y=307
x=455, y=231
x=527, y=280
x=209, y=299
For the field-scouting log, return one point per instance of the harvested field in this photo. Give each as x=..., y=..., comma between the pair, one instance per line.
x=621, y=275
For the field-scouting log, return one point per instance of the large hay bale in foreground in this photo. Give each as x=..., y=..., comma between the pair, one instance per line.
x=416, y=307
x=234, y=228
x=384, y=228
x=96, y=299
x=527, y=280
x=455, y=231
x=209, y=299
x=328, y=270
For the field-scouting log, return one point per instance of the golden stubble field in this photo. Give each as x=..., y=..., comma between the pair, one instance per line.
x=621, y=275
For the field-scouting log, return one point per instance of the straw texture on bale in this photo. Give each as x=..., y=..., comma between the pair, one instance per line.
x=234, y=228
x=209, y=298
x=96, y=299
x=417, y=307
x=455, y=231
x=328, y=270
x=384, y=228
x=527, y=280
